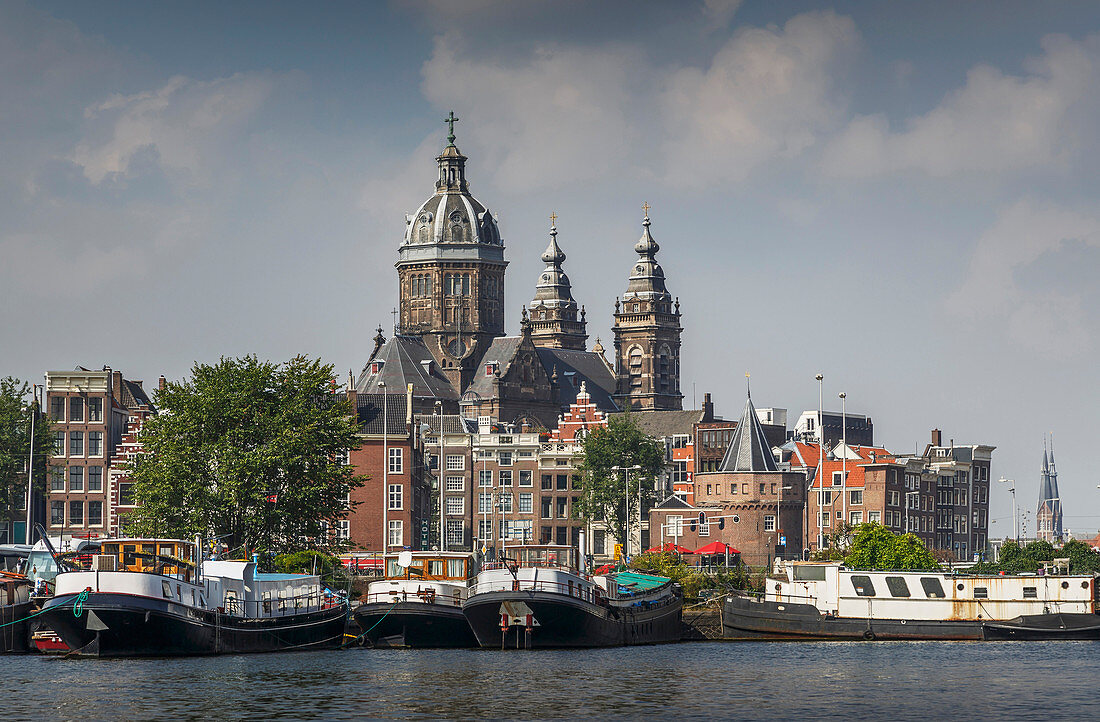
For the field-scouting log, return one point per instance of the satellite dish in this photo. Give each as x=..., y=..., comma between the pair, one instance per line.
x=405, y=559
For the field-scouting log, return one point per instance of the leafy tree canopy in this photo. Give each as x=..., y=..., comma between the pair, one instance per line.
x=1014, y=559
x=604, y=489
x=876, y=547
x=15, y=433
x=247, y=451
x=692, y=580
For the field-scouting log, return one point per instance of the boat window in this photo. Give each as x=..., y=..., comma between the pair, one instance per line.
x=932, y=587
x=814, y=573
x=863, y=585
x=129, y=557
x=435, y=567
x=981, y=593
x=1030, y=593
x=392, y=570
x=456, y=568
x=166, y=589
x=897, y=586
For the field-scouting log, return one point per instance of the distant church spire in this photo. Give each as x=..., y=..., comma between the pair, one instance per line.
x=1048, y=515
x=554, y=319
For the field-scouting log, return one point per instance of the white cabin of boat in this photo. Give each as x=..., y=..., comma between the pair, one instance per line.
x=842, y=592
x=538, y=567
x=164, y=569
x=430, y=578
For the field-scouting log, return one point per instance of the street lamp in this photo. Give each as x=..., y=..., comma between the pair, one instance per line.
x=820, y=462
x=1012, y=490
x=30, y=467
x=439, y=479
x=626, y=489
x=844, y=458
x=779, y=515
x=385, y=475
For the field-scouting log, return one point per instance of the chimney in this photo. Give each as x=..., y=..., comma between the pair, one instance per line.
x=937, y=437
x=162, y=383
x=708, y=407
x=116, y=385
x=409, y=406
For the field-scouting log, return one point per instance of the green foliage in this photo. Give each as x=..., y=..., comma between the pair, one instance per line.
x=306, y=561
x=15, y=422
x=692, y=580
x=1014, y=560
x=234, y=434
x=603, y=489
x=840, y=539
x=876, y=547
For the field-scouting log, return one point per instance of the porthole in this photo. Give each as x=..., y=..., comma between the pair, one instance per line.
x=960, y=587
x=1065, y=585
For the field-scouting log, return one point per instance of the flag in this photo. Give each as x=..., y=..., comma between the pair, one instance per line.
x=272, y=498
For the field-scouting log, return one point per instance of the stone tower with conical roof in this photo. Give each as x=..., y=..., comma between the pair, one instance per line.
x=554, y=321
x=450, y=270
x=647, y=334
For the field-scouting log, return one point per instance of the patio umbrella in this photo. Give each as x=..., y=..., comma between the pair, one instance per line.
x=716, y=548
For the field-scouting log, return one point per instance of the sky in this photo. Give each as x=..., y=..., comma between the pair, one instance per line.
x=900, y=196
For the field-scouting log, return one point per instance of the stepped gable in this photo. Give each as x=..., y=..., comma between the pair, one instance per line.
x=749, y=450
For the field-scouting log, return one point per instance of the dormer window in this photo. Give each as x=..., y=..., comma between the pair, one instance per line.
x=490, y=368
x=376, y=367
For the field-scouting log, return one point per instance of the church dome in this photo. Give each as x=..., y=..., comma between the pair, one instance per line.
x=451, y=224
x=647, y=278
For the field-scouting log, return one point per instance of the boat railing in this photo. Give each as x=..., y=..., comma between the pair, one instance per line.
x=425, y=596
x=530, y=565
x=586, y=592
x=281, y=606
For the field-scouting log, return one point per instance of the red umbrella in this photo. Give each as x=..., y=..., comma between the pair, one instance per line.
x=716, y=548
x=670, y=547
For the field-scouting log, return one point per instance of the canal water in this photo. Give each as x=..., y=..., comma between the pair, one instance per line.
x=728, y=680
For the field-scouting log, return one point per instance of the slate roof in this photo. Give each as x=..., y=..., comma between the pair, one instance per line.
x=503, y=351
x=452, y=423
x=370, y=414
x=749, y=449
x=673, y=502
x=661, y=424
x=404, y=362
x=576, y=366
x=134, y=396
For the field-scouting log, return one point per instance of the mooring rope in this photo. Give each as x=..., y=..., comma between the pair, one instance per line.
x=78, y=603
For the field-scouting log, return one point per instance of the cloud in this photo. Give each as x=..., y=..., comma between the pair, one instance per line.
x=720, y=12
x=186, y=123
x=768, y=93
x=1049, y=320
x=995, y=122
x=560, y=117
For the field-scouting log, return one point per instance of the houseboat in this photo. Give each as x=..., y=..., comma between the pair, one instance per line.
x=827, y=601
x=419, y=603
x=156, y=597
x=536, y=598
x=16, y=608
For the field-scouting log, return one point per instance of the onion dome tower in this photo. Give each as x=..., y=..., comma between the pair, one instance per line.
x=647, y=334
x=554, y=321
x=450, y=270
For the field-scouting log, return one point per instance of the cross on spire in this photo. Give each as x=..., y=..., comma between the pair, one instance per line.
x=450, y=121
x=394, y=312
x=553, y=218
x=645, y=207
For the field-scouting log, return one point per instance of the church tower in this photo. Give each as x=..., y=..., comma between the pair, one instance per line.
x=647, y=335
x=450, y=271
x=553, y=319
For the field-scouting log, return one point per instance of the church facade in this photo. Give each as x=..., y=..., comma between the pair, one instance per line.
x=450, y=343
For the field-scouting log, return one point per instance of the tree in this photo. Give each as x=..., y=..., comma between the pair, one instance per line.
x=247, y=451
x=604, y=490
x=15, y=441
x=876, y=547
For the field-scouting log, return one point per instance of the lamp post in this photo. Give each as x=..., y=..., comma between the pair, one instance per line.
x=626, y=493
x=439, y=479
x=820, y=461
x=385, y=475
x=30, y=467
x=844, y=458
x=1012, y=490
x=779, y=515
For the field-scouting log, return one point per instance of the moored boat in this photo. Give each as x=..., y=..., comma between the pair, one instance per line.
x=152, y=597
x=826, y=601
x=536, y=598
x=419, y=603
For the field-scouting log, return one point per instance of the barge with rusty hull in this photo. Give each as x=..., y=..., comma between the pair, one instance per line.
x=536, y=598
x=827, y=601
x=145, y=597
x=419, y=603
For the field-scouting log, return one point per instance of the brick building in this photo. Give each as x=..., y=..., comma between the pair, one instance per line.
x=91, y=412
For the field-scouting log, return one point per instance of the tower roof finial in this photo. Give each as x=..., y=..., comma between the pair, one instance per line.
x=450, y=121
x=748, y=389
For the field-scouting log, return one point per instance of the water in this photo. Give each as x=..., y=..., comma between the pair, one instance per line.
x=749, y=680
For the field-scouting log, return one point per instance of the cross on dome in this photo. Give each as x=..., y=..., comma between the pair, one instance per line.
x=450, y=121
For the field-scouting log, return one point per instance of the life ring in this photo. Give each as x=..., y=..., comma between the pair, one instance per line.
x=868, y=635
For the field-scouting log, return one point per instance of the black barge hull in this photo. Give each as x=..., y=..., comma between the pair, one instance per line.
x=750, y=619
x=121, y=625
x=15, y=634
x=414, y=624
x=561, y=621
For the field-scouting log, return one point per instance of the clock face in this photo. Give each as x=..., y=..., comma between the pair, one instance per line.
x=456, y=347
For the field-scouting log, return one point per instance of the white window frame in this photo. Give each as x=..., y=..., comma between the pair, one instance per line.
x=505, y=477
x=526, y=502
x=396, y=497
x=397, y=460
x=455, y=462
x=504, y=458
x=485, y=479
x=455, y=532
x=455, y=505
x=397, y=533
x=455, y=483
x=769, y=522
x=485, y=502
x=855, y=517
x=854, y=494
x=504, y=502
